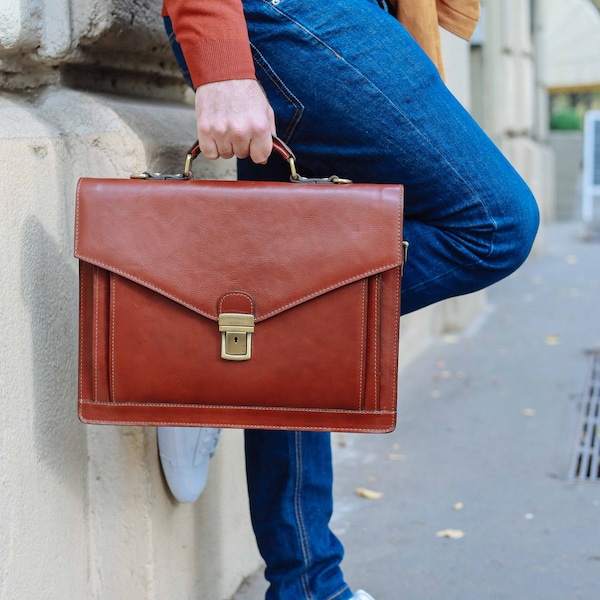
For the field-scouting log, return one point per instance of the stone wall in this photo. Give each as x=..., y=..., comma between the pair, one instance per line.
x=89, y=88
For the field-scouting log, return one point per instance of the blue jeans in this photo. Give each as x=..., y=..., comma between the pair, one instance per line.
x=355, y=96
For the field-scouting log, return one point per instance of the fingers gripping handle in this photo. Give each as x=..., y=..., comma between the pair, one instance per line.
x=278, y=145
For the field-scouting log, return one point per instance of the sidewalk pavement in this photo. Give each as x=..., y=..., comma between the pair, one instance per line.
x=487, y=423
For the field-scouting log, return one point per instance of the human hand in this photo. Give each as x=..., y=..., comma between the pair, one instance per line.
x=234, y=118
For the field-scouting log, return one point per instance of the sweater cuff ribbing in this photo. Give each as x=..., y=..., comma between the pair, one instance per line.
x=219, y=60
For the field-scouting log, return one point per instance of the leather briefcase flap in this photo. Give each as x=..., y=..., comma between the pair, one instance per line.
x=196, y=241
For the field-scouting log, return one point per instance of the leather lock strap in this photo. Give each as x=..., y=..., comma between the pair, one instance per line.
x=236, y=324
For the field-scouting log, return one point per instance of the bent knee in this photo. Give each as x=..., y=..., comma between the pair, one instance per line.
x=515, y=234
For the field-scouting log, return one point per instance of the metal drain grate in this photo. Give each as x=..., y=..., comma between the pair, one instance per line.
x=586, y=458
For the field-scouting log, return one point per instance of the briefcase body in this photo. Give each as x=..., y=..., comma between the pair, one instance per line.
x=239, y=304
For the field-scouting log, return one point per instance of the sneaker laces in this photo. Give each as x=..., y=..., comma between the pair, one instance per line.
x=208, y=441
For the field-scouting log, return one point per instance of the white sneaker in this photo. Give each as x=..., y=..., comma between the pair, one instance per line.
x=184, y=455
x=362, y=595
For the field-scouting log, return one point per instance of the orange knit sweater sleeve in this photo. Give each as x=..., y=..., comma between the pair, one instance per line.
x=213, y=37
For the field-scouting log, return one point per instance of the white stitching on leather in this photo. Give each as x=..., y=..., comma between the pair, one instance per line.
x=376, y=355
x=333, y=411
x=230, y=294
x=96, y=301
x=81, y=336
x=214, y=317
x=176, y=423
x=113, y=293
x=365, y=307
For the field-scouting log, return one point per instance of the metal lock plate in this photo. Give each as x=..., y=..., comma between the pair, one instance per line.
x=236, y=336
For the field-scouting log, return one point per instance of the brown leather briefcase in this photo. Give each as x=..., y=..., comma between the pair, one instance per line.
x=239, y=304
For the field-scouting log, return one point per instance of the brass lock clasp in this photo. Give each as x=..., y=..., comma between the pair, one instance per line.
x=236, y=336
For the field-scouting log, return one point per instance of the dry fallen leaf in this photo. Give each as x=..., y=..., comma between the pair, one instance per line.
x=396, y=456
x=368, y=494
x=453, y=534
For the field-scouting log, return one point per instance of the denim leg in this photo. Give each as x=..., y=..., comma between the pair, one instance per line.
x=354, y=95
x=290, y=489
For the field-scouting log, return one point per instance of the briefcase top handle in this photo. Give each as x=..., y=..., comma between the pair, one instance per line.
x=284, y=150
x=279, y=145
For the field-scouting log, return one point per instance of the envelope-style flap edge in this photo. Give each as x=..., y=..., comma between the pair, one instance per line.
x=281, y=243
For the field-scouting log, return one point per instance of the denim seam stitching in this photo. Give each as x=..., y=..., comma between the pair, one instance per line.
x=302, y=533
x=445, y=273
x=185, y=71
x=338, y=594
x=285, y=91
